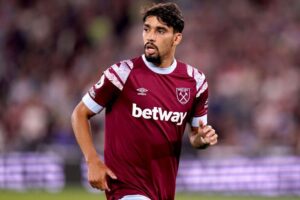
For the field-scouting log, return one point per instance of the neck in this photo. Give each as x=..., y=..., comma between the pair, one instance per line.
x=167, y=60
x=160, y=70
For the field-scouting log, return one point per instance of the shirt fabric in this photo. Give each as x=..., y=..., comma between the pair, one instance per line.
x=147, y=109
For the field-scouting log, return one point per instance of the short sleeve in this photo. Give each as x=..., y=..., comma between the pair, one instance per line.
x=200, y=109
x=107, y=89
x=100, y=94
x=200, y=106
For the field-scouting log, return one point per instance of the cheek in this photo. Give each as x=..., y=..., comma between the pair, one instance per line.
x=166, y=45
x=143, y=35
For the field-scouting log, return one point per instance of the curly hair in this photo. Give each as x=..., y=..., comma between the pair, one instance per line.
x=168, y=13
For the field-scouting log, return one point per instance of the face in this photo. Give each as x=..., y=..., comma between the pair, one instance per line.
x=160, y=40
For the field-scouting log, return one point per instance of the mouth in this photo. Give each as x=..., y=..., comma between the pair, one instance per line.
x=150, y=49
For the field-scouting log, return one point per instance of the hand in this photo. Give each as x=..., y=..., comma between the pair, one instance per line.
x=203, y=135
x=209, y=135
x=97, y=175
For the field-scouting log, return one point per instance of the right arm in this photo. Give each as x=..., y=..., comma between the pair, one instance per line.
x=97, y=170
x=105, y=91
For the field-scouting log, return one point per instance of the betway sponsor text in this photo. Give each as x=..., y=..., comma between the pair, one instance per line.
x=157, y=113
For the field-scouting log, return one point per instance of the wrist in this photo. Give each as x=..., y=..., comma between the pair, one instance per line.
x=93, y=158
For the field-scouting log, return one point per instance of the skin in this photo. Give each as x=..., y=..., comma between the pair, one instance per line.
x=159, y=40
x=98, y=172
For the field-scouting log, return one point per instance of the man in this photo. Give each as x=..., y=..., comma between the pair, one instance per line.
x=148, y=101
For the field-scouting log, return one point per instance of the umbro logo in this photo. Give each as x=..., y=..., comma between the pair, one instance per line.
x=142, y=91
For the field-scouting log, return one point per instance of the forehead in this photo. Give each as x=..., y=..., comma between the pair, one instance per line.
x=155, y=22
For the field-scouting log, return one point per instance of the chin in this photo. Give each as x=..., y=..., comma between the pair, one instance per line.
x=153, y=58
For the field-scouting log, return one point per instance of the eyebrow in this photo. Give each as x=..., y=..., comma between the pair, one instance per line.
x=161, y=28
x=157, y=27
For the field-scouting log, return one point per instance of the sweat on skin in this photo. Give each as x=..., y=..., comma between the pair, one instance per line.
x=157, y=113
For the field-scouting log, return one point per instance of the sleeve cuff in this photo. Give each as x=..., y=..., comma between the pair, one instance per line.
x=195, y=120
x=91, y=104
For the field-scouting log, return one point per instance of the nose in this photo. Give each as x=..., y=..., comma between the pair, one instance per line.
x=151, y=37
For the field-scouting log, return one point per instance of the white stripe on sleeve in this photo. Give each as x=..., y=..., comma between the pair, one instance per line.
x=199, y=78
x=204, y=87
x=113, y=79
x=91, y=104
x=122, y=71
x=195, y=120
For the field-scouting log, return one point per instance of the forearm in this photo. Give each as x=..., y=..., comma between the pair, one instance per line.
x=97, y=170
x=82, y=131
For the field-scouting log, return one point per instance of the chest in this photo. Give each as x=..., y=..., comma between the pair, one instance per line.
x=172, y=92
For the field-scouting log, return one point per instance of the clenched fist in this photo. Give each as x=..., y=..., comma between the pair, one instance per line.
x=203, y=136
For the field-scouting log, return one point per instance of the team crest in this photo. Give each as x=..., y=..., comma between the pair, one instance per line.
x=183, y=95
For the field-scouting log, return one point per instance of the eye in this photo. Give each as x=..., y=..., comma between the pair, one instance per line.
x=146, y=29
x=161, y=31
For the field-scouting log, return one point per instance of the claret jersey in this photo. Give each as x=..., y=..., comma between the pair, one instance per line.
x=147, y=109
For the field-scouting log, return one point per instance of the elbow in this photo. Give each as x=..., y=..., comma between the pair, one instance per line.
x=76, y=114
x=74, y=117
x=80, y=113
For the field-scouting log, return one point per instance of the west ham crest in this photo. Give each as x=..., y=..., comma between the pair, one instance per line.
x=183, y=95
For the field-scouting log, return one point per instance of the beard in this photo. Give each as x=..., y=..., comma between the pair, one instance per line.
x=156, y=59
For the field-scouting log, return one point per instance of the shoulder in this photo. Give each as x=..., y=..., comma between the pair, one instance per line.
x=192, y=72
x=196, y=75
x=118, y=73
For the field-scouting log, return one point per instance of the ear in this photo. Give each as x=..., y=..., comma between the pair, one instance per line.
x=177, y=38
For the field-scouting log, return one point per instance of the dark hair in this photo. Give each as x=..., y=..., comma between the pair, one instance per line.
x=168, y=13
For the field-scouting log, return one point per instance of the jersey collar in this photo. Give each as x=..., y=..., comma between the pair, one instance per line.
x=160, y=70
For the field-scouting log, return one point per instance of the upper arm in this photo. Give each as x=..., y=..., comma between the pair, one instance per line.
x=81, y=110
x=200, y=107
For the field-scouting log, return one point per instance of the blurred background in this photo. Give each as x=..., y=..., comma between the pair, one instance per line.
x=51, y=52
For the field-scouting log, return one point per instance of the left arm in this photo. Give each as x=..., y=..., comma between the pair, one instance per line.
x=203, y=136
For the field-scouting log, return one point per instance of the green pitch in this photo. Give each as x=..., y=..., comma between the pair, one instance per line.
x=77, y=193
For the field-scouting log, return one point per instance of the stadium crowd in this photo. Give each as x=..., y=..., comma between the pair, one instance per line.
x=51, y=52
